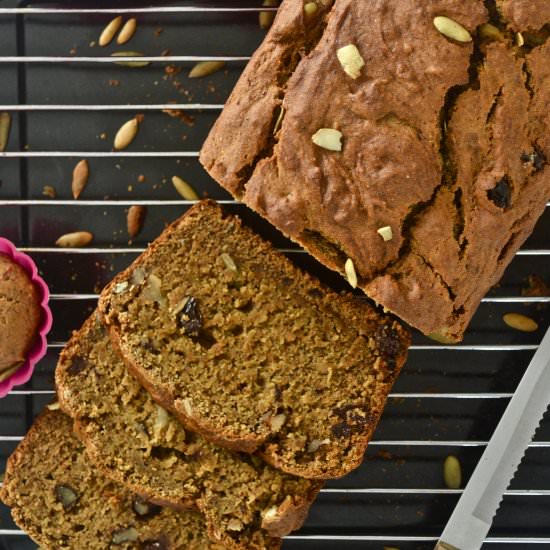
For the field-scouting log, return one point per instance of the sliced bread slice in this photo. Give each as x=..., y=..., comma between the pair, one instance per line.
x=250, y=351
x=137, y=443
x=58, y=497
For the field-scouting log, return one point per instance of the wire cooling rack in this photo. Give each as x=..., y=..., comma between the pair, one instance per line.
x=67, y=98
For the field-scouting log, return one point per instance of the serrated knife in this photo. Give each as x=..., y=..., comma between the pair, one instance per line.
x=471, y=520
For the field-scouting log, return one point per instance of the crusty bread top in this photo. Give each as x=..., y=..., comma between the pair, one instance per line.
x=443, y=141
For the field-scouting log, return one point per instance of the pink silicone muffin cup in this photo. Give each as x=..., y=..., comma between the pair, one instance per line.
x=40, y=346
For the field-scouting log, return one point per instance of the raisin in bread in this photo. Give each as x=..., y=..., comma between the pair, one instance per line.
x=415, y=147
x=63, y=503
x=139, y=444
x=251, y=352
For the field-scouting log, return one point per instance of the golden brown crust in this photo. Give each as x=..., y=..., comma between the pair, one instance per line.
x=408, y=142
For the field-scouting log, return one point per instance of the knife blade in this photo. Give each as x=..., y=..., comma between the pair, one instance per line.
x=473, y=515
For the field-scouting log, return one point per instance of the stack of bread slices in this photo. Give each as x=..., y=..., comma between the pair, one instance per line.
x=205, y=400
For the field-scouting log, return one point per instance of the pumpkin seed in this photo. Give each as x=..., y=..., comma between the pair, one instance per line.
x=310, y=9
x=81, y=173
x=126, y=134
x=351, y=60
x=265, y=18
x=53, y=406
x=125, y=535
x=109, y=31
x=351, y=275
x=386, y=233
x=205, y=68
x=451, y=29
x=442, y=336
x=120, y=287
x=127, y=31
x=520, y=41
x=135, y=219
x=134, y=64
x=328, y=138
x=5, y=125
x=452, y=472
x=520, y=322
x=75, y=240
x=235, y=524
x=66, y=495
x=491, y=32
x=228, y=261
x=184, y=189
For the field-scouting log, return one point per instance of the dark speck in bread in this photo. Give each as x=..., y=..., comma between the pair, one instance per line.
x=501, y=193
x=78, y=365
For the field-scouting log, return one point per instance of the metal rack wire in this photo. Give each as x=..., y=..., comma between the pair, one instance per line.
x=448, y=399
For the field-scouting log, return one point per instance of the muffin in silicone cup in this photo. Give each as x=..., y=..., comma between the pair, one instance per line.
x=23, y=330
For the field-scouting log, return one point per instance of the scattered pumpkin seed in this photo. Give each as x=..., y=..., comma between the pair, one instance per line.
x=81, y=173
x=451, y=29
x=184, y=189
x=520, y=41
x=135, y=218
x=265, y=18
x=279, y=120
x=386, y=233
x=452, y=472
x=127, y=31
x=75, y=240
x=328, y=138
x=5, y=125
x=53, y=406
x=351, y=60
x=351, y=275
x=134, y=64
x=310, y=9
x=520, y=322
x=228, y=261
x=126, y=134
x=206, y=68
x=109, y=31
